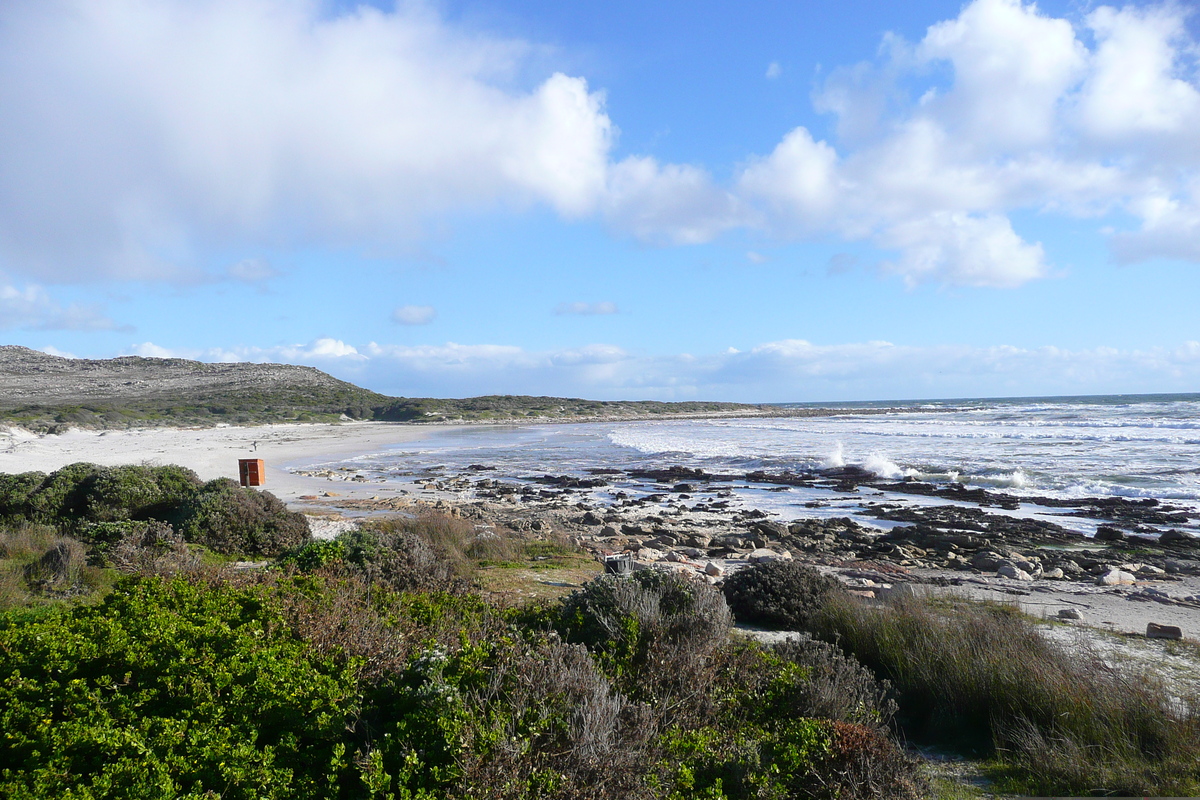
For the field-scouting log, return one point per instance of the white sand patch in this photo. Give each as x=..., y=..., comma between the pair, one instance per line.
x=214, y=452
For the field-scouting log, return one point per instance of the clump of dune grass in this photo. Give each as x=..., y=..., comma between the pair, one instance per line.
x=981, y=679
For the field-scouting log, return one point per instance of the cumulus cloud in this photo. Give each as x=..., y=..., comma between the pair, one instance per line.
x=670, y=203
x=774, y=70
x=138, y=133
x=32, y=308
x=781, y=371
x=142, y=137
x=414, y=315
x=1032, y=117
x=586, y=309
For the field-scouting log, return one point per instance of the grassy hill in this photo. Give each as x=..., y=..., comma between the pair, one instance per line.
x=45, y=392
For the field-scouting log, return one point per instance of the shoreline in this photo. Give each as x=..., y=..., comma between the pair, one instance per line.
x=657, y=529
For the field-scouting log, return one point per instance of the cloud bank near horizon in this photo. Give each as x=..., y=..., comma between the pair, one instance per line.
x=783, y=371
x=144, y=138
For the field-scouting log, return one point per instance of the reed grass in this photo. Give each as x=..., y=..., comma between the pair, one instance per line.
x=980, y=679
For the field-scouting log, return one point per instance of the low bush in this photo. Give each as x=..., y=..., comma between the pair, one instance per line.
x=38, y=566
x=138, y=492
x=228, y=518
x=59, y=569
x=151, y=548
x=62, y=497
x=398, y=553
x=323, y=685
x=15, y=491
x=779, y=594
x=167, y=690
x=651, y=631
x=837, y=686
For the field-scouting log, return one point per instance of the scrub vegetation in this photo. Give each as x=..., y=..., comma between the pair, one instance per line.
x=979, y=679
x=135, y=662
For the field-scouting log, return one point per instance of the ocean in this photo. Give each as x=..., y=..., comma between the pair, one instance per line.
x=1132, y=446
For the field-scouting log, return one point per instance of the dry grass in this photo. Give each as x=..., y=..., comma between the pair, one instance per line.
x=980, y=677
x=38, y=566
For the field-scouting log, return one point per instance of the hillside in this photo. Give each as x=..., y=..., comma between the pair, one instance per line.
x=44, y=392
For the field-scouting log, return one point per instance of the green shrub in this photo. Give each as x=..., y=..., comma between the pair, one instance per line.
x=63, y=495
x=314, y=555
x=150, y=548
x=651, y=631
x=836, y=686
x=15, y=492
x=165, y=690
x=396, y=558
x=230, y=519
x=138, y=492
x=779, y=594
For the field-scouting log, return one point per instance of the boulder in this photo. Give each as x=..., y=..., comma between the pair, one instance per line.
x=1173, y=535
x=771, y=529
x=715, y=570
x=1013, y=572
x=1055, y=574
x=1069, y=613
x=592, y=518
x=1116, y=577
x=986, y=561
x=762, y=554
x=1107, y=533
x=1156, y=631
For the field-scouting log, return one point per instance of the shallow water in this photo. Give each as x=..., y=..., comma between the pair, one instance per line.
x=1067, y=448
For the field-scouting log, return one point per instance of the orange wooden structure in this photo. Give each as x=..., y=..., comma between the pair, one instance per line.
x=252, y=471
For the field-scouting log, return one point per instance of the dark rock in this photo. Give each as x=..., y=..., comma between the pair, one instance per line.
x=1156, y=631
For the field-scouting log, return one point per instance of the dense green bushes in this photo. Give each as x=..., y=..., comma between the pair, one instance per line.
x=227, y=518
x=322, y=685
x=170, y=689
x=779, y=594
x=97, y=504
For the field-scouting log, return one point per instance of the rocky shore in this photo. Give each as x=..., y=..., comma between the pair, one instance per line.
x=1141, y=566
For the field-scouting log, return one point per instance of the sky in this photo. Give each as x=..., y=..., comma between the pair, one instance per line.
x=757, y=202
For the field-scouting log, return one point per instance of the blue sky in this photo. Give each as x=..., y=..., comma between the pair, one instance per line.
x=764, y=202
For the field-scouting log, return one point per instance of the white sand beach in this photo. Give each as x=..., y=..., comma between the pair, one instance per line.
x=212, y=452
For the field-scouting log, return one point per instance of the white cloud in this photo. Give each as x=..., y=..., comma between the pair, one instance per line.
x=54, y=351
x=586, y=309
x=1135, y=88
x=964, y=250
x=31, y=308
x=1012, y=66
x=141, y=137
x=774, y=70
x=782, y=371
x=1032, y=118
x=671, y=203
x=414, y=315
x=799, y=179
x=141, y=133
